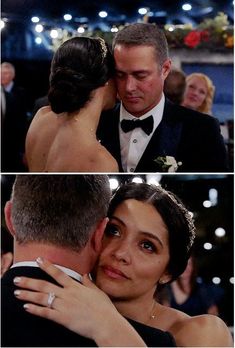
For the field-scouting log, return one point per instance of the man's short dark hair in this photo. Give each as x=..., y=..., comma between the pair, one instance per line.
x=144, y=34
x=174, y=86
x=62, y=210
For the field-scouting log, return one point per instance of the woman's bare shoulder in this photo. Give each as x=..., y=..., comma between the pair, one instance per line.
x=104, y=161
x=202, y=331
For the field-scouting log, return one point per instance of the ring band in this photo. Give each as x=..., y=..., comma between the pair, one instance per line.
x=51, y=298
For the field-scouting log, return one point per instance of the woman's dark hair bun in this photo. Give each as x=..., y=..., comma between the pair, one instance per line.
x=69, y=90
x=79, y=66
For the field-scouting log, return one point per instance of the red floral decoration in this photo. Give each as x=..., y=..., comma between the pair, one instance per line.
x=193, y=38
x=205, y=35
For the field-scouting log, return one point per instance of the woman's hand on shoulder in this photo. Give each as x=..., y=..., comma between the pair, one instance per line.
x=202, y=331
x=82, y=308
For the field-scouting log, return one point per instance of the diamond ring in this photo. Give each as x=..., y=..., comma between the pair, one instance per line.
x=51, y=298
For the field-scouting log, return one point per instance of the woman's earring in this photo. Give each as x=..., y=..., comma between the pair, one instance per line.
x=162, y=281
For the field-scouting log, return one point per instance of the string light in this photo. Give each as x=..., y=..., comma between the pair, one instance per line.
x=39, y=28
x=2, y=24
x=187, y=7
x=113, y=183
x=35, y=19
x=103, y=14
x=67, y=17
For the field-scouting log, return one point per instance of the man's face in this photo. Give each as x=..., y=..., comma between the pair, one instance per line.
x=139, y=77
x=7, y=75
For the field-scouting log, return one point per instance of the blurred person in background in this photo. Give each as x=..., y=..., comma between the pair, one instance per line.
x=199, y=93
x=14, y=121
x=174, y=86
x=190, y=295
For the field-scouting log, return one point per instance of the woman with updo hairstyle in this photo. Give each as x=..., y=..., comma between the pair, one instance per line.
x=146, y=244
x=199, y=93
x=62, y=136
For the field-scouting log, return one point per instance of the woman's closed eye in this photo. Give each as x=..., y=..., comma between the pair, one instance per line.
x=148, y=246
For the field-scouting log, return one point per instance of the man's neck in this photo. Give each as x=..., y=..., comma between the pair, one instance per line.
x=78, y=262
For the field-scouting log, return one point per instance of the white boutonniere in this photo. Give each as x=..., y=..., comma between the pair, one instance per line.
x=167, y=163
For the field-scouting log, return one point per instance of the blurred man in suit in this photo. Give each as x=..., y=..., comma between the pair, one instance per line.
x=14, y=121
x=145, y=129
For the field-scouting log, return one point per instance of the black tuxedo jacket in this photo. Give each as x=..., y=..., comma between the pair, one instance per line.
x=21, y=329
x=190, y=137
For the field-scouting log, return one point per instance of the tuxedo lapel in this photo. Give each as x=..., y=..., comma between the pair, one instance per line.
x=108, y=133
x=164, y=141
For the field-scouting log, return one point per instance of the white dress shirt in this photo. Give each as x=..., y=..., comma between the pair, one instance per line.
x=134, y=143
x=9, y=87
x=66, y=270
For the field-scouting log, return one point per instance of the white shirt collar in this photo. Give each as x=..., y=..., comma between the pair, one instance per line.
x=134, y=143
x=9, y=87
x=66, y=270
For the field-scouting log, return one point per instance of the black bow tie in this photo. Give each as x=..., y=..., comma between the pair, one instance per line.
x=146, y=125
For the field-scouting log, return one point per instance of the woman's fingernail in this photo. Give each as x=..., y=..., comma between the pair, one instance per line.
x=39, y=260
x=26, y=306
x=17, y=292
x=16, y=280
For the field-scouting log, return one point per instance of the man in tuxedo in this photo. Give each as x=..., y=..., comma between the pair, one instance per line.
x=145, y=128
x=61, y=218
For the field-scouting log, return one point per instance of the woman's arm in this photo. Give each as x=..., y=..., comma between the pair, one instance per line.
x=82, y=308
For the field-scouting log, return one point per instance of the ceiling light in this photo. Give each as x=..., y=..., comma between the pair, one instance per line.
x=207, y=246
x=2, y=24
x=39, y=28
x=38, y=40
x=67, y=17
x=80, y=30
x=137, y=180
x=142, y=11
x=54, y=34
x=187, y=7
x=113, y=183
x=35, y=19
x=220, y=232
x=207, y=204
x=213, y=196
x=153, y=179
x=103, y=14
x=216, y=280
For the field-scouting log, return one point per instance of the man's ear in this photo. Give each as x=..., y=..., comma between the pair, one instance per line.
x=7, y=211
x=166, y=68
x=96, y=239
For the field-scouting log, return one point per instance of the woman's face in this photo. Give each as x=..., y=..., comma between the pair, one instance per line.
x=195, y=93
x=135, y=251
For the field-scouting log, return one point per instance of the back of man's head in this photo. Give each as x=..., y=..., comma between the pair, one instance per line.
x=174, y=86
x=144, y=34
x=62, y=210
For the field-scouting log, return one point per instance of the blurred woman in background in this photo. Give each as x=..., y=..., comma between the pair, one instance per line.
x=199, y=93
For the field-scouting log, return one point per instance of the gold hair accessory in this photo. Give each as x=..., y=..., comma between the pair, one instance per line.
x=189, y=219
x=104, y=49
